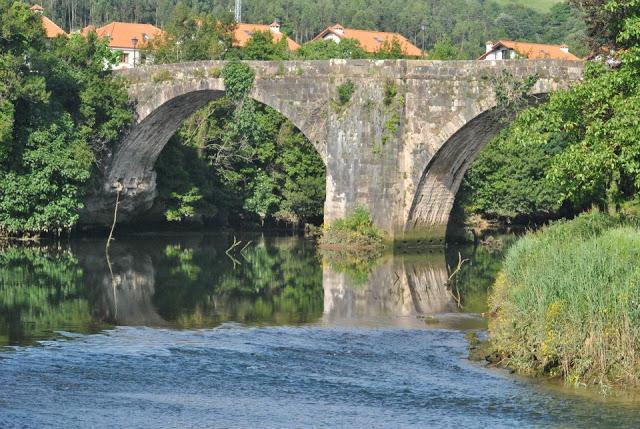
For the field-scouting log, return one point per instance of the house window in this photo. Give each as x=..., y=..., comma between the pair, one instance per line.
x=124, y=58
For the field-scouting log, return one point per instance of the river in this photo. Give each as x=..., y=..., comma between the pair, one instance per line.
x=171, y=331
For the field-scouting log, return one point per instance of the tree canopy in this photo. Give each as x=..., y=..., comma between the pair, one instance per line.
x=60, y=110
x=578, y=149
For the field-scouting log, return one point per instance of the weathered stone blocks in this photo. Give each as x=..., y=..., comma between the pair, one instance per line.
x=404, y=164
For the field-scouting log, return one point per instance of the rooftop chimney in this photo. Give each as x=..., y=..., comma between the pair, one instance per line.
x=338, y=29
x=489, y=46
x=275, y=27
x=36, y=8
x=564, y=48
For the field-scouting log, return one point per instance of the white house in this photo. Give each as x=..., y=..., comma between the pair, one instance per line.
x=510, y=50
x=127, y=38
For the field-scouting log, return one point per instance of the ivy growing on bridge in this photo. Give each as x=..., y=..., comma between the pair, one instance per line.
x=512, y=94
x=238, y=80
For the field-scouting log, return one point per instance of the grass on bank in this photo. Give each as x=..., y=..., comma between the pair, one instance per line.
x=567, y=302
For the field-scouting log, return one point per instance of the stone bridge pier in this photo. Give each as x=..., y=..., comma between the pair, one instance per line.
x=399, y=147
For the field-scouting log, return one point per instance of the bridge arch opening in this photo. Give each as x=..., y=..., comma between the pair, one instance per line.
x=243, y=169
x=429, y=217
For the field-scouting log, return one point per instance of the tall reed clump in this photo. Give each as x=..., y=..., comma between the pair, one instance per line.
x=567, y=302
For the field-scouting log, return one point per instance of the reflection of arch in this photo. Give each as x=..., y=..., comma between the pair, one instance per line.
x=443, y=174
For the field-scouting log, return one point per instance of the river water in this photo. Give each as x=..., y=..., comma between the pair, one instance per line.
x=171, y=331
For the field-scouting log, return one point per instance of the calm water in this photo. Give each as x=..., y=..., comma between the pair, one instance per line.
x=173, y=332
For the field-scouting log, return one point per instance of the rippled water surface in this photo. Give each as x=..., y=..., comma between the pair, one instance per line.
x=176, y=333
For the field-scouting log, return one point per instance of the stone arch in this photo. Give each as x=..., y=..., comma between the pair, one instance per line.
x=160, y=111
x=428, y=216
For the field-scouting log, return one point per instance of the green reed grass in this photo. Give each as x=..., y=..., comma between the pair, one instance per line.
x=567, y=302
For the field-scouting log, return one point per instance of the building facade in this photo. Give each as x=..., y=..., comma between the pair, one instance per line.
x=510, y=50
x=129, y=39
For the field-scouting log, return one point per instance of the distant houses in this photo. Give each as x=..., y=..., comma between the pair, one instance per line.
x=127, y=38
x=130, y=39
x=243, y=33
x=509, y=50
x=370, y=41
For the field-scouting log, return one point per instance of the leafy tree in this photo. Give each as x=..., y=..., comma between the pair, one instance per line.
x=192, y=37
x=262, y=46
x=263, y=199
x=60, y=111
x=608, y=20
x=391, y=50
x=328, y=49
x=444, y=50
x=577, y=150
x=599, y=121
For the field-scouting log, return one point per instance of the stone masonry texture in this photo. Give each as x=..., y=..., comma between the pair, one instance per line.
x=402, y=158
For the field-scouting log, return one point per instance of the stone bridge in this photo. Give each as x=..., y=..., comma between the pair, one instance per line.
x=399, y=147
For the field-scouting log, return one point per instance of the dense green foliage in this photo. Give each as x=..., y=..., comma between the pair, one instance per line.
x=577, y=150
x=567, y=302
x=327, y=49
x=190, y=37
x=468, y=24
x=611, y=23
x=539, y=5
x=237, y=160
x=60, y=111
x=247, y=162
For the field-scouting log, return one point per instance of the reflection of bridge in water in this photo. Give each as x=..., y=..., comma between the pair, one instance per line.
x=399, y=290
x=138, y=289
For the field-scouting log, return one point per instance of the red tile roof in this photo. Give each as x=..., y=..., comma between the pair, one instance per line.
x=534, y=51
x=371, y=41
x=121, y=33
x=51, y=29
x=243, y=32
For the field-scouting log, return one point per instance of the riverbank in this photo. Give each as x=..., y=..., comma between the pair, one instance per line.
x=566, y=303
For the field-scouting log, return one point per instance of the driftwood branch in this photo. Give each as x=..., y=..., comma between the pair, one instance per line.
x=456, y=296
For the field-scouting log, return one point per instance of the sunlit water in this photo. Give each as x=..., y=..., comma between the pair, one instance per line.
x=176, y=333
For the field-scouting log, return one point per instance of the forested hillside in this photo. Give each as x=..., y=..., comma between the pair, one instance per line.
x=539, y=5
x=467, y=24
